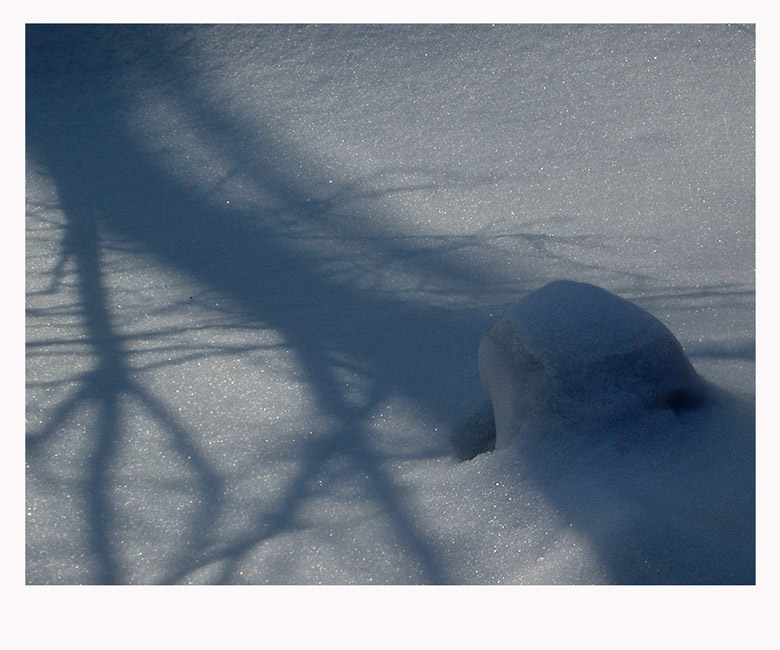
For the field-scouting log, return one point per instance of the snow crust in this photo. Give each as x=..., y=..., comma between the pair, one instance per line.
x=260, y=261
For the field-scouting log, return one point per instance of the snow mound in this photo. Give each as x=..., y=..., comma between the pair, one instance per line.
x=576, y=353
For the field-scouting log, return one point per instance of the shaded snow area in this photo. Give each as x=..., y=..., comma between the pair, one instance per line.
x=260, y=261
x=576, y=353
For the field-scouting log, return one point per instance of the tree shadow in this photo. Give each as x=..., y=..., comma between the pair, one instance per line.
x=108, y=186
x=301, y=262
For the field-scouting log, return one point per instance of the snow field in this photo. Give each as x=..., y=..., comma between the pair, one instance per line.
x=260, y=260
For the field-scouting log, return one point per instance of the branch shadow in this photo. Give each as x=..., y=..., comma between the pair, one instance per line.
x=303, y=264
x=108, y=186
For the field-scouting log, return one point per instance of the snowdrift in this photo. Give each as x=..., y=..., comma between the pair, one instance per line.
x=575, y=351
x=594, y=402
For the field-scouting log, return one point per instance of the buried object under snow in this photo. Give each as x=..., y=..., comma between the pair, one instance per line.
x=575, y=353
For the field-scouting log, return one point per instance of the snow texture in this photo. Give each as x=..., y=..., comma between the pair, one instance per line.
x=260, y=260
x=578, y=352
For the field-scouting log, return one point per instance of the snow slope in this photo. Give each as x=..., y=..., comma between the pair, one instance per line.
x=260, y=260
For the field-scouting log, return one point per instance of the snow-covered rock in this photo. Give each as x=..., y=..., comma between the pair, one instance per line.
x=574, y=352
x=259, y=262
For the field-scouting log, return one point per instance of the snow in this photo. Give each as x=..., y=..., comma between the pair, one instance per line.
x=576, y=352
x=260, y=261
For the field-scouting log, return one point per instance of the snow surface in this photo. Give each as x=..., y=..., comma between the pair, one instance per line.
x=573, y=351
x=260, y=260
